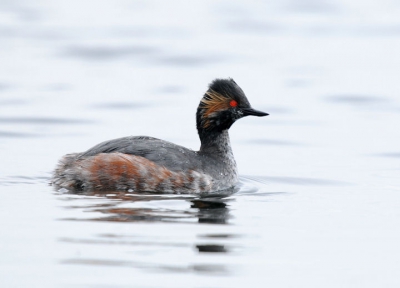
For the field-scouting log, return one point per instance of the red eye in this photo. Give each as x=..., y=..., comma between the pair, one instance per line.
x=233, y=103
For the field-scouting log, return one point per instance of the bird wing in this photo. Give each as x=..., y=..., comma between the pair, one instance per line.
x=167, y=154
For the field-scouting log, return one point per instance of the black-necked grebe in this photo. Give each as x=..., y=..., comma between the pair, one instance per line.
x=144, y=163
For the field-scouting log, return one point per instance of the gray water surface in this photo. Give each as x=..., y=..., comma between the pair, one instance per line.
x=318, y=202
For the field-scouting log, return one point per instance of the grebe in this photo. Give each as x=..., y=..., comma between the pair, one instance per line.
x=141, y=163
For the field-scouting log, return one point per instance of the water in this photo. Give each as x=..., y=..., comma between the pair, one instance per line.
x=318, y=200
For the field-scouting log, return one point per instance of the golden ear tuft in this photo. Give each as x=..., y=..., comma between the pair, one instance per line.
x=213, y=102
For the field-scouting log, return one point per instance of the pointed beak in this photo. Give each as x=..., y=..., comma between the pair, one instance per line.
x=253, y=112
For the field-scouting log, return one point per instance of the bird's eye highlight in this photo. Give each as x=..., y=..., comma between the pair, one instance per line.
x=233, y=103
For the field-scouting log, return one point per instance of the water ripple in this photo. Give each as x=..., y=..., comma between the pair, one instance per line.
x=296, y=180
x=106, y=52
x=215, y=269
x=43, y=120
x=6, y=134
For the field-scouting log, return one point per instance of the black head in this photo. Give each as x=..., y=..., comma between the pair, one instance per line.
x=223, y=104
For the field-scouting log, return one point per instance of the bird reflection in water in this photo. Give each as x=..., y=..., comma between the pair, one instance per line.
x=210, y=208
x=149, y=208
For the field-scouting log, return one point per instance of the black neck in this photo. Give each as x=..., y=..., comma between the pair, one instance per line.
x=215, y=141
